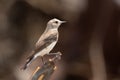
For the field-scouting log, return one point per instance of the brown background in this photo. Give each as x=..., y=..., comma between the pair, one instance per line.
x=89, y=41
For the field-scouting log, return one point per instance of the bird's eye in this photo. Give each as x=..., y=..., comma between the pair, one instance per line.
x=56, y=22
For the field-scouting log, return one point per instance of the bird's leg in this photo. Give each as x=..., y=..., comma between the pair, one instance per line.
x=57, y=56
x=42, y=60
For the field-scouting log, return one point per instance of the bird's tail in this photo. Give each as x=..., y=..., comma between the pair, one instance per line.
x=28, y=62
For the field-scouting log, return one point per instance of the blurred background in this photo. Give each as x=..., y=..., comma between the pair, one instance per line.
x=89, y=41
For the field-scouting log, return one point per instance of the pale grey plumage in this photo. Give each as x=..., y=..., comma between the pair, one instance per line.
x=46, y=42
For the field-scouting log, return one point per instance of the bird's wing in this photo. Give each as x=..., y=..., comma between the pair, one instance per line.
x=46, y=41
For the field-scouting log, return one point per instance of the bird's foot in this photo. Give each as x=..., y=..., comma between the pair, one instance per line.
x=57, y=56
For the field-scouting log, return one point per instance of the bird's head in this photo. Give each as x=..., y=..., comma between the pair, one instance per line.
x=55, y=23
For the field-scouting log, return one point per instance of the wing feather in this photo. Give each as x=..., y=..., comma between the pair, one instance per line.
x=44, y=43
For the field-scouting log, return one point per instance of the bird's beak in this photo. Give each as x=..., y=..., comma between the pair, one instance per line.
x=63, y=21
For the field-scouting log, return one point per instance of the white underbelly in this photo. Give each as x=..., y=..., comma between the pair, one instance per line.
x=46, y=50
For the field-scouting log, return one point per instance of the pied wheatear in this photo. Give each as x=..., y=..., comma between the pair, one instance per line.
x=46, y=42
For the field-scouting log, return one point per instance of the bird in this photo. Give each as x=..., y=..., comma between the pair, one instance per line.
x=46, y=42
